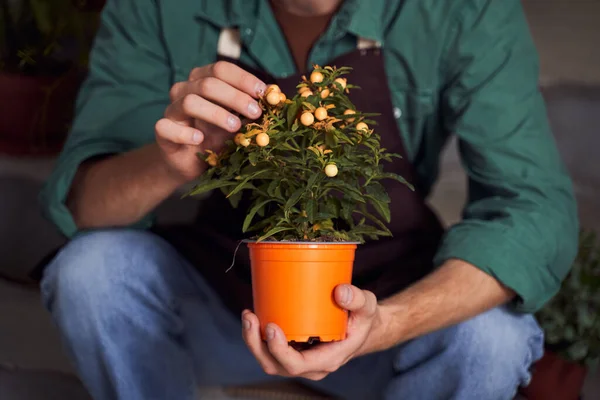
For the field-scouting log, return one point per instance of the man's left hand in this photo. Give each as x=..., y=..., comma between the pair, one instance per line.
x=364, y=335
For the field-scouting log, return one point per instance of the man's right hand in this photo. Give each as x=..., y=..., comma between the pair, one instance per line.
x=200, y=114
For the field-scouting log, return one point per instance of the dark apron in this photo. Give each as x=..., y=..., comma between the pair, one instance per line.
x=384, y=266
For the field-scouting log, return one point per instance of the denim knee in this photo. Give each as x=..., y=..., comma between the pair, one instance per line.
x=97, y=269
x=489, y=355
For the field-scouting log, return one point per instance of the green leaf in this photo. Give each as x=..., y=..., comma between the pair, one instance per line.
x=369, y=230
x=382, y=208
x=311, y=210
x=207, y=186
x=243, y=183
x=252, y=213
x=235, y=199
x=347, y=190
x=312, y=181
x=295, y=126
x=294, y=198
x=253, y=157
x=292, y=111
x=274, y=231
x=389, y=175
x=331, y=140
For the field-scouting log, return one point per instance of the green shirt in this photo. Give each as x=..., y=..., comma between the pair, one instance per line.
x=463, y=67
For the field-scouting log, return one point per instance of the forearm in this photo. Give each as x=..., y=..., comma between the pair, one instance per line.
x=120, y=190
x=453, y=293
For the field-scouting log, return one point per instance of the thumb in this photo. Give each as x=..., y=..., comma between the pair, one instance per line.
x=357, y=301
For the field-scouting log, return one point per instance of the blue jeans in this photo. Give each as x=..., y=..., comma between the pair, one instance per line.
x=140, y=323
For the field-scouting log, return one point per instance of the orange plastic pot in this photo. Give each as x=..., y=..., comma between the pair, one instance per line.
x=292, y=286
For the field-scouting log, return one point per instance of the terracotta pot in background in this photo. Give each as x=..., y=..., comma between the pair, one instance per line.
x=554, y=378
x=292, y=286
x=36, y=112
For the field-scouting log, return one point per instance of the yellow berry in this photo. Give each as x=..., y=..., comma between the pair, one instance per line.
x=349, y=112
x=342, y=82
x=303, y=89
x=307, y=118
x=282, y=97
x=361, y=126
x=273, y=88
x=273, y=98
x=331, y=170
x=262, y=139
x=306, y=93
x=316, y=77
x=325, y=93
x=320, y=113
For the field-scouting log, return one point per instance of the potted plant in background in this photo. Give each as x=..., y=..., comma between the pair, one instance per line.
x=312, y=168
x=44, y=46
x=571, y=324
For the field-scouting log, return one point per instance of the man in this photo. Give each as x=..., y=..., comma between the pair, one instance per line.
x=147, y=314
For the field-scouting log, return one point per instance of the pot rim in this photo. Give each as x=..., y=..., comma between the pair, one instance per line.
x=297, y=242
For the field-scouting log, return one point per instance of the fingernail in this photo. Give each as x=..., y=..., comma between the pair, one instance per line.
x=270, y=332
x=260, y=88
x=253, y=108
x=346, y=295
x=246, y=324
x=197, y=137
x=232, y=122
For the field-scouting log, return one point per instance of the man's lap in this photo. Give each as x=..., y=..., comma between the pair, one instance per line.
x=495, y=345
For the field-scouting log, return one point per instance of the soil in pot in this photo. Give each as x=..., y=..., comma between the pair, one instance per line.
x=293, y=284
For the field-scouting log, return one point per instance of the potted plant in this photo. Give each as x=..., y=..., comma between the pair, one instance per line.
x=312, y=167
x=571, y=324
x=44, y=46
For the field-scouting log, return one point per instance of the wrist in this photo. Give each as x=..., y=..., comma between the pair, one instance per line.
x=172, y=175
x=386, y=331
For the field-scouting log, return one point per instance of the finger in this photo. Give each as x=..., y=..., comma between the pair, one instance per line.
x=252, y=337
x=194, y=106
x=359, y=302
x=233, y=75
x=172, y=132
x=226, y=95
x=289, y=358
x=178, y=90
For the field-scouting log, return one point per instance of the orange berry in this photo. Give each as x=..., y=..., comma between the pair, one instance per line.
x=361, y=126
x=273, y=88
x=282, y=97
x=241, y=140
x=212, y=160
x=342, y=82
x=325, y=93
x=316, y=77
x=273, y=98
x=303, y=89
x=262, y=139
x=321, y=113
x=307, y=118
x=349, y=112
x=306, y=93
x=331, y=170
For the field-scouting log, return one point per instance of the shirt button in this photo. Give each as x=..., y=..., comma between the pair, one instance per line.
x=248, y=31
x=285, y=75
x=397, y=112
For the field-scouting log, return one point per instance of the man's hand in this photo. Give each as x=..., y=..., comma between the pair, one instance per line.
x=201, y=115
x=277, y=357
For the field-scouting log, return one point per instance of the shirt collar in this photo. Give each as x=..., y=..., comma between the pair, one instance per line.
x=359, y=17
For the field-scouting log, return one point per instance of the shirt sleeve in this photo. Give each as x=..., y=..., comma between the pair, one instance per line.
x=125, y=93
x=520, y=223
